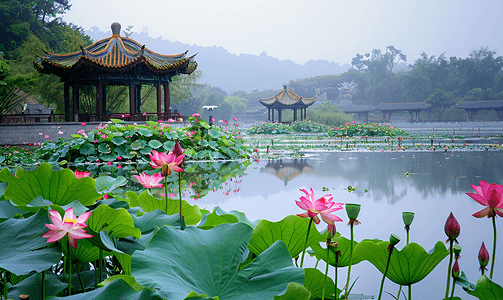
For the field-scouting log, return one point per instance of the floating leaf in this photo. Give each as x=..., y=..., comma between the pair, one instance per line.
x=154, y=144
x=119, y=140
x=104, y=148
x=135, y=145
x=87, y=149
x=145, y=132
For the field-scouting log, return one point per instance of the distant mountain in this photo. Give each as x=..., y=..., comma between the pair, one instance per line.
x=232, y=72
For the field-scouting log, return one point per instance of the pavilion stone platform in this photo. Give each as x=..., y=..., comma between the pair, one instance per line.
x=20, y=134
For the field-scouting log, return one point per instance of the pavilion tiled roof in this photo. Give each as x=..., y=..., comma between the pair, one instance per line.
x=288, y=98
x=491, y=104
x=404, y=106
x=356, y=108
x=116, y=53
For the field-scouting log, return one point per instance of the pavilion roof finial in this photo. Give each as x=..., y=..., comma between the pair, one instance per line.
x=116, y=28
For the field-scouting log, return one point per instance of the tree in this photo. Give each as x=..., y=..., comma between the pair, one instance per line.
x=439, y=101
x=13, y=89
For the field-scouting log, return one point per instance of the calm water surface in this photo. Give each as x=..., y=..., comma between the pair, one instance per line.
x=436, y=186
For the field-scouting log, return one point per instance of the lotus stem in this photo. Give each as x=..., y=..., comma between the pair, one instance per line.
x=166, y=192
x=451, y=242
x=399, y=292
x=5, y=290
x=43, y=285
x=494, y=247
x=69, y=265
x=350, y=261
x=326, y=275
x=64, y=268
x=407, y=230
x=335, y=276
x=305, y=243
x=80, y=279
x=410, y=292
x=100, y=276
x=180, y=194
x=453, y=286
x=384, y=275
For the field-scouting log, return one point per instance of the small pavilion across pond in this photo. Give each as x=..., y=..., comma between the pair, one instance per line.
x=411, y=107
x=286, y=99
x=115, y=61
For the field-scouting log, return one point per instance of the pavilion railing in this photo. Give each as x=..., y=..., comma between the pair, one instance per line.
x=59, y=118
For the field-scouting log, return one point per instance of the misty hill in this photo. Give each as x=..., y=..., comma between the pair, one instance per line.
x=232, y=72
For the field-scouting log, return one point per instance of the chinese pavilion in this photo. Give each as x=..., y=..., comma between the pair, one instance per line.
x=115, y=61
x=286, y=99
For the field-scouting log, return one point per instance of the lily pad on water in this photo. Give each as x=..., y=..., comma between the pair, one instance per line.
x=176, y=263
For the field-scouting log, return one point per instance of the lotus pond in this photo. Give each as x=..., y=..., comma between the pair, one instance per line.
x=239, y=237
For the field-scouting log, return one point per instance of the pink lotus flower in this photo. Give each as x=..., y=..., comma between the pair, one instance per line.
x=196, y=115
x=226, y=123
x=149, y=181
x=234, y=119
x=483, y=257
x=83, y=124
x=144, y=114
x=213, y=119
x=490, y=195
x=69, y=224
x=82, y=174
x=159, y=159
x=322, y=206
x=46, y=136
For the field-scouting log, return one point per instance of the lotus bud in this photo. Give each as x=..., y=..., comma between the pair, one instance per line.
x=455, y=270
x=353, y=210
x=452, y=228
x=407, y=217
x=457, y=251
x=177, y=150
x=483, y=256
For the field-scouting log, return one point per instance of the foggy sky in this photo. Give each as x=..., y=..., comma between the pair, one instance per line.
x=301, y=30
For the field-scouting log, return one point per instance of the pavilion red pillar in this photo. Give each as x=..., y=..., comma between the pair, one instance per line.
x=99, y=95
x=67, y=100
x=131, y=100
x=167, y=100
x=159, y=101
x=75, y=100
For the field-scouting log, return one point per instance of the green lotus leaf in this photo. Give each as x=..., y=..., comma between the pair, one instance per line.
x=149, y=203
x=127, y=278
x=407, y=266
x=154, y=144
x=194, y=295
x=292, y=230
x=31, y=286
x=117, y=222
x=87, y=149
x=23, y=252
x=206, y=261
x=486, y=289
x=241, y=216
x=216, y=218
x=145, y=132
x=155, y=220
x=104, y=148
x=214, y=133
x=294, y=291
x=106, y=184
x=169, y=145
x=146, y=150
x=343, y=245
x=313, y=281
x=135, y=145
x=118, y=140
x=117, y=289
x=59, y=187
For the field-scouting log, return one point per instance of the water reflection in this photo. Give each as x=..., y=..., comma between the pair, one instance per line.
x=435, y=186
x=288, y=169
